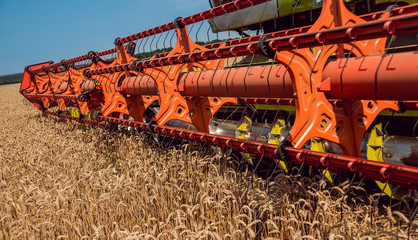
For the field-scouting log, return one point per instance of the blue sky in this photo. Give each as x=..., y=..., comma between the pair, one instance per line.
x=35, y=31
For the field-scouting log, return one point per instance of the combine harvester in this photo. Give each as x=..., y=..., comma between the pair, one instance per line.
x=328, y=84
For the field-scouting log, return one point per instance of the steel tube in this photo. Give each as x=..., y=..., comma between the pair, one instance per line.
x=87, y=86
x=258, y=81
x=363, y=78
x=401, y=150
x=388, y=77
x=372, y=77
x=139, y=85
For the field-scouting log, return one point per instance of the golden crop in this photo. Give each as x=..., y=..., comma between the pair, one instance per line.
x=61, y=180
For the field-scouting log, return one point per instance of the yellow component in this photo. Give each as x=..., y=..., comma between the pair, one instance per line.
x=75, y=113
x=394, y=1
x=286, y=108
x=408, y=113
x=240, y=134
x=196, y=69
x=89, y=115
x=316, y=145
x=274, y=136
x=375, y=153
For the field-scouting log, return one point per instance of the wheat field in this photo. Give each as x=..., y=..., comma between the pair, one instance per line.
x=62, y=180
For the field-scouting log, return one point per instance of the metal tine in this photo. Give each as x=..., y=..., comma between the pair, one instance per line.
x=293, y=12
x=310, y=10
x=191, y=29
x=198, y=30
x=241, y=162
x=392, y=39
x=225, y=155
x=136, y=77
x=385, y=128
x=414, y=213
x=207, y=33
x=320, y=180
x=245, y=110
x=242, y=33
x=273, y=163
x=190, y=67
x=114, y=56
x=345, y=193
x=201, y=146
x=287, y=68
x=299, y=171
x=236, y=57
x=253, y=109
x=230, y=23
x=171, y=142
x=239, y=167
x=264, y=120
x=276, y=14
x=216, y=69
x=152, y=41
x=316, y=61
x=150, y=137
x=376, y=202
x=368, y=5
x=197, y=80
x=166, y=36
x=261, y=17
x=107, y=79
x=143, y=47
x=171, y=39
x=258, y=163
x=360, y=183
x=161, y=143
x=271, y=67
x=248, y=68
x=153, y=68
x=230, y=69
x=226, y=119
x=158, y=40
x=136, y=45
x=345, y=64
x=253, y=172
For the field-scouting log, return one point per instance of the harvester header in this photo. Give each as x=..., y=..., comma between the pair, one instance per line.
x=329, y=84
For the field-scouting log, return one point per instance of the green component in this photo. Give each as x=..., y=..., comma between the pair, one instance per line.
x=282, y=8
x=392, y=1
x=408, y=113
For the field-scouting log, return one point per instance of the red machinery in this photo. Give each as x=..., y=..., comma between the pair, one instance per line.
x=323, y=94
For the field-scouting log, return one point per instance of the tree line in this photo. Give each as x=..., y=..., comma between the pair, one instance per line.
x=11, y=78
